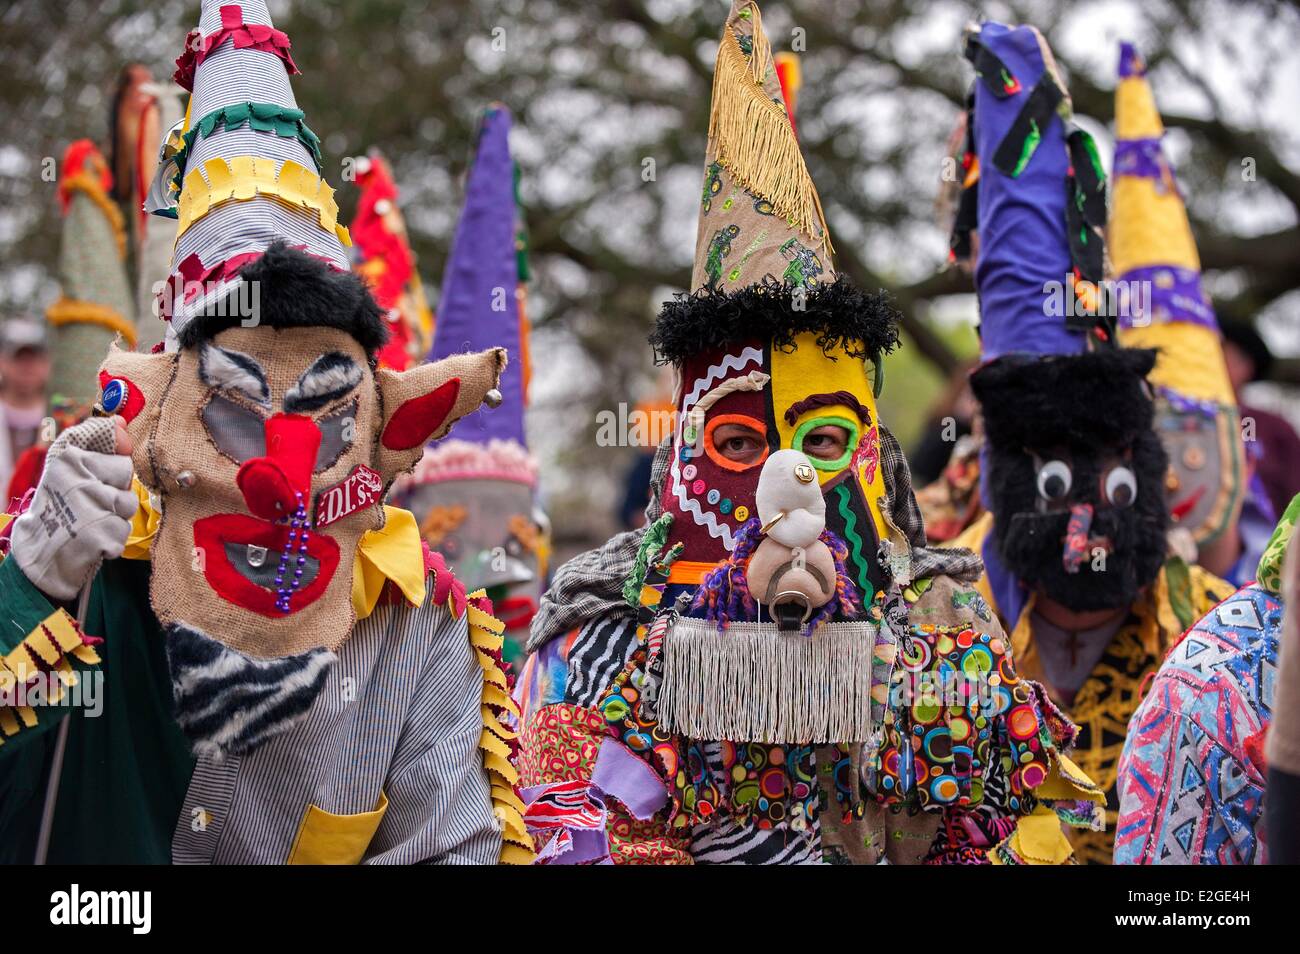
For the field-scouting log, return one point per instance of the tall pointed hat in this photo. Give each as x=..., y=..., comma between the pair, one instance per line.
x=482, y=305
x=1156, y=265
x=248, y=166
x=384, y=258
x=96, y=304
x=1067, y=412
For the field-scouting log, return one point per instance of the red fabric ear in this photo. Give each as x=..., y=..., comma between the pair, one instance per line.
x=134, y=396
x=413, y=422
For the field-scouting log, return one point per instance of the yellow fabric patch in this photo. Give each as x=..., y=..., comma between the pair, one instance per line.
x=144, y=525
x=52, y=641
x=792, y=375
x=1038, y=840
x=1189, y=360
x=327, y=839
x=393, y=552
x=1136, y=116
x=247, y=177
x=1148, y=226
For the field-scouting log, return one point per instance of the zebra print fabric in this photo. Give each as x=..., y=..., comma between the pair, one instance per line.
x=228, y=703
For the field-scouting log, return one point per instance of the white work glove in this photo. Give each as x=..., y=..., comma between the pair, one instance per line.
x=81, y=512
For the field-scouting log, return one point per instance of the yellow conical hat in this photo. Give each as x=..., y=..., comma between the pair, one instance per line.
x=1153, y=253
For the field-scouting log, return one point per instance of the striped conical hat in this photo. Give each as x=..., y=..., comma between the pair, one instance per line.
x=1151, y=241
x=96, y=304
x=250, y=166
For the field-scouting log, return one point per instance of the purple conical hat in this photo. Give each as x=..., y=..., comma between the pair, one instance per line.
x=481, y=305
x=250, y=166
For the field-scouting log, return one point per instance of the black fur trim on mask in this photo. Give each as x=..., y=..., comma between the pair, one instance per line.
x=1030, y=543
x=296, y=290
x=1085, y=407
x=865, y=324
x=1087, y=401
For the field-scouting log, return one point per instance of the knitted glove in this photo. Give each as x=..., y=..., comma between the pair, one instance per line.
x=80, y=514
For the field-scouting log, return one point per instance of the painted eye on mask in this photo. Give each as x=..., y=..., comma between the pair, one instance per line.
x=1054, y=481
x=735, y=442
x=1120, y=486
x=1193, y=457
x=827, y=442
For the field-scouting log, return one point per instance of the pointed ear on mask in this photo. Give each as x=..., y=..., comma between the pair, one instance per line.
x=145, y=378
x=422, y=404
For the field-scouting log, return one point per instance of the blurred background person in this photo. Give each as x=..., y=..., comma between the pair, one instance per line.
x=24, y=373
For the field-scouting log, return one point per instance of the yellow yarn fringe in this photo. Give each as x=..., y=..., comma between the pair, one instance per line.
x=751, y=136
x=88, y=184
x=54, y=640
x=246, y=177
x=486, y=635
x=72, y=311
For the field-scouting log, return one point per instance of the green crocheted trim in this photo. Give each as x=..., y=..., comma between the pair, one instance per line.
x=263, y=117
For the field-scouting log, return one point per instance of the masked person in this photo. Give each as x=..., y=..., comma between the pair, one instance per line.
x=1194, y=775
x=475, y=495
x=735, y=682
x=1163, y=306
x=268, y=670
x=1073, y=473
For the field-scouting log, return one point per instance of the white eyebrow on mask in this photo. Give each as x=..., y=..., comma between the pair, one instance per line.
x=330, y=376
x=229, y=370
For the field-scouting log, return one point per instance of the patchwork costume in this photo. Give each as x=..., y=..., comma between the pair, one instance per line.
x=310, y=685
x=475, y=496
x=1192, y=780
x=756, y=676
x=1072, y=472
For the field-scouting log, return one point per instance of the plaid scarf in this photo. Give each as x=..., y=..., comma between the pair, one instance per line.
x=590, y=586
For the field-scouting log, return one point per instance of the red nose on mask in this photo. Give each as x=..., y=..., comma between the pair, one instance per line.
x=272, y=485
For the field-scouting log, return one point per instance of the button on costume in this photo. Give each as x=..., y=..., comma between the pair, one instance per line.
x=286, y=674
x=759, y=675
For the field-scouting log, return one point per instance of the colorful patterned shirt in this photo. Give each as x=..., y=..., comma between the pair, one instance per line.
x=1191, y=778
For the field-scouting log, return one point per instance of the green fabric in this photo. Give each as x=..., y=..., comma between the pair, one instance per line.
x=24, y=606
x=1178, y=580
x=1269, y=574
x=125, y=771
x=262, y=117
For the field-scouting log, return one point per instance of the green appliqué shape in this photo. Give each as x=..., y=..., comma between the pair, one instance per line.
x=854, y=541
x=1027, y=150
x=261, y=117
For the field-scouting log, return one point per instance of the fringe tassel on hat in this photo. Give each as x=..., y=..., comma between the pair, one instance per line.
x=757, y=684
x=752, y=137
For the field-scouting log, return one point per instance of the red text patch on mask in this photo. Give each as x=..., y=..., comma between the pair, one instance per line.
x=359, y=489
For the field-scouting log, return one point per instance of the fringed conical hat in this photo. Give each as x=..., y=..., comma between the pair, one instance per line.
x=96, y=304
x=250, y=166
x=755, y=181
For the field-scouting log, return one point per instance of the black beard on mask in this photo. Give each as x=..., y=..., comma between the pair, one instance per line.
x=1089, y=409
x=1031, y=543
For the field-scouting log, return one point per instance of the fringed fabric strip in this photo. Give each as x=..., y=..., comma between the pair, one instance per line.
x=754, y=682
x=498, y=741
x=247, y=177
x=71, y=311
x=753, y=139
x=50, y=647
x=262, y=117
x=255, y=36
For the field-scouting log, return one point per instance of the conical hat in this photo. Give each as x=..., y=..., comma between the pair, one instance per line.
x=250, y=166
x=756, y=184
x=1152, y=248
x=96, y=303
x=385, y=259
